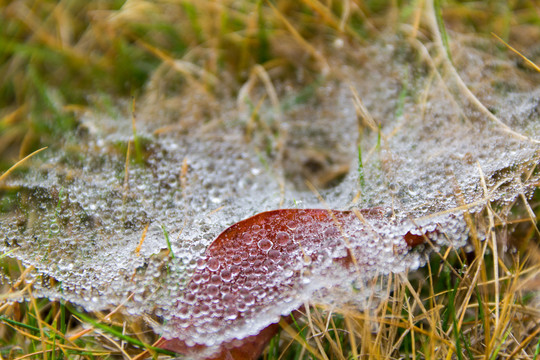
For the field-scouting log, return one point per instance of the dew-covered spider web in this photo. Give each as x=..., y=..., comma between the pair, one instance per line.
x=107, y=220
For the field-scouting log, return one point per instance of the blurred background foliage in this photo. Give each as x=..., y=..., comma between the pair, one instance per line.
x=61, y=58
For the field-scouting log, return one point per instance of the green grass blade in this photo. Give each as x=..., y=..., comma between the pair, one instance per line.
x=442, y=28
x=19, y=324
x=262, y=36
x=361, y=179
x=53, y=352
x=117, y=333
x=498, y=348
x=537, y=350
x=166, y=234
x=7, y=253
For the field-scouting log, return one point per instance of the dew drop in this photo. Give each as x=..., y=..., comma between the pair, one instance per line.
x=55, y=229
x=213, y=264
x=291, y=225
x=226, y=275
x=241, y=306
x=212, y=290
x=236, y=259
x=231, y=313
x=215, y=280
x=393, y=187
x=265, y=244
x=282, y=238
x=197, y=279
x=274, y=255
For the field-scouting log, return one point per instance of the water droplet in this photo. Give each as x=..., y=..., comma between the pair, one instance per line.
x=274, y=255
x=291, y=225
x=241, y=306
x=201, y=264
x=231, y=313
x=226, y=275
x=213, y=264
x=212, y=290
x=265, y=244
x=235, y=269
x=413, y=189
x=215, y=280
x=249, y=299
x=55, y=229
x=236, y=259
x=282, y=238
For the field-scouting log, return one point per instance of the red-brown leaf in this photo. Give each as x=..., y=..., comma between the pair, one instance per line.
x=235, y=278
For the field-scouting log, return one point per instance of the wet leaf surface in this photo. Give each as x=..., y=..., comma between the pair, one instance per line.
x=249, y=264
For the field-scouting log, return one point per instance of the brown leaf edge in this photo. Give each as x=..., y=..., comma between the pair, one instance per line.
x=249, y=348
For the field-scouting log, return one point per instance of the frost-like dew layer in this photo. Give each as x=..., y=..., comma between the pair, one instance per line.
x=96, y=230
x=270, y=264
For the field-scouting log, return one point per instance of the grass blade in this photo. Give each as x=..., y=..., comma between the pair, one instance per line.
x=5, y=175
x=117, y=333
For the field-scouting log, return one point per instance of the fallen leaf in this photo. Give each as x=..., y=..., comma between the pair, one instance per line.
x=252, y=263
